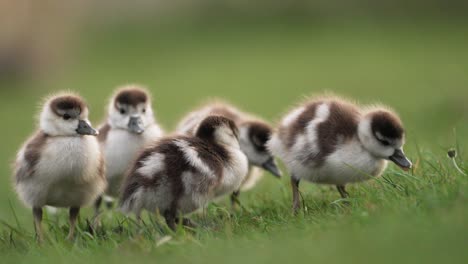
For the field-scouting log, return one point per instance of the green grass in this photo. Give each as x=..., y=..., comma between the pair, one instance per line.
x=417, y=68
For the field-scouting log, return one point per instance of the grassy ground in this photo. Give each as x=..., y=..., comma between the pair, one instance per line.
x=417, y=68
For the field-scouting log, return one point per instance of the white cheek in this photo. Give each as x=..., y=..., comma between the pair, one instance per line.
x=47, y=122
x=374, y=147
x=57, y=126
x=148, y=117
x=71, y=126
x=389, y=151
x=382, y=151
x=117, y=120
x=66, y=128
x=254, y=157
x=399, y=144
x=367, y=139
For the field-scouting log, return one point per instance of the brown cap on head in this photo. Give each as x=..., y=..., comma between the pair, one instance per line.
x=71, y=105
x=259, y=134
x=387, y=124
x=132, y=95
x=209, y=125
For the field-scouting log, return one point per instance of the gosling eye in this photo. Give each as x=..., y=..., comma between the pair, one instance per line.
x=385, y=142
x=122, y=111
x=143, y=110
x=66, y=116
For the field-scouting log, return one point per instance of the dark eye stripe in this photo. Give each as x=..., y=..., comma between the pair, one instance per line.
x=385, y=142
x=381, y=140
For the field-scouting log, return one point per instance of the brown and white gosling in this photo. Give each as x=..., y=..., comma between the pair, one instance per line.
x=332, y=141
x=61, y=164
x=253, y=136
x=180, y=174
x=130, y=126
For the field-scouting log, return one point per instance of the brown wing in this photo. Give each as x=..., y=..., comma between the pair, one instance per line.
x=289, y=134
x=340, y=126
x=102, y=167
x=103, y=132
x=31, y=156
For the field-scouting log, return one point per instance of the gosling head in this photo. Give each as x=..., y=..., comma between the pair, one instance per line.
x=254, y=136
x=130, y=109
x=66, y=115
x=219, y=130
x=381, y=132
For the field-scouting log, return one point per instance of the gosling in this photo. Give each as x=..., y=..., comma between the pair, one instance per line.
x=130, y=126
x=254, y=134
x=332, y=141
x=61, y=164
x=180, y=174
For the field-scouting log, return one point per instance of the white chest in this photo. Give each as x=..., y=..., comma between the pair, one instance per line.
x=74, y=158
x=348, y=164
x=67, y=174
x=120, y=149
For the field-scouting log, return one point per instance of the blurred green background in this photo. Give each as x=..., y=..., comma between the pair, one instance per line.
x=262, y=56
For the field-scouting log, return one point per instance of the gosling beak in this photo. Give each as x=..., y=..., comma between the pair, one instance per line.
x=135, y=125
x=401, y=160
x=271, y=166
x=85, y=128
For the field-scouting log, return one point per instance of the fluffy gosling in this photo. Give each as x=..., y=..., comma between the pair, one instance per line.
x=254, y=134
x=61, y=164
x=130, y=126
x=180, y=174
x=332, y=141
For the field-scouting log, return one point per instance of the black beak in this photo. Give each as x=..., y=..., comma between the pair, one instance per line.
x=85, y=128
x=135, y=125
x=271, y=166
x=401, y=160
